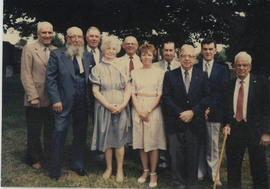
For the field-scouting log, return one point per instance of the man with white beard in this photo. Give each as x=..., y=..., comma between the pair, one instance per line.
x=67, y=82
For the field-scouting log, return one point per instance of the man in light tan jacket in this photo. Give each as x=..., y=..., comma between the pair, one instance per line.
x=34, y=61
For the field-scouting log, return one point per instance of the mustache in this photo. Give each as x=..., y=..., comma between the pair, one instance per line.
x=73, y=50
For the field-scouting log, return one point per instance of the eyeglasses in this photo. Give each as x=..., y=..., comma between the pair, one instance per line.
x=187, y=56
x=242, y=65
x=75, y=36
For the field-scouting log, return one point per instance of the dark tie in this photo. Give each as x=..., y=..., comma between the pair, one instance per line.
x=240, y=103
x=187, y=81
x=131, y=65
x=76, y=66
x=169, y=66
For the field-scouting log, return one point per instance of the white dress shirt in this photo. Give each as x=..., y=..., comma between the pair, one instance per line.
x=96, y=53
x=163, y=64
x=189, y=74
x=209, y=67
x=235, y=96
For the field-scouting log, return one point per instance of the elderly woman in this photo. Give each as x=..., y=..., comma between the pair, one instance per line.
x=112, y=124
x=148, y=131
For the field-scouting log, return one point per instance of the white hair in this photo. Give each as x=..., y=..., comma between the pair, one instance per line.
x=244, y=55
x=190, y=47
x=74, y=28
x=42, y=25
x=92, y=28
x=111, y=40
x=130, y=37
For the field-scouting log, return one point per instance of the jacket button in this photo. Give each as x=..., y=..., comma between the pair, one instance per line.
x=188, y=101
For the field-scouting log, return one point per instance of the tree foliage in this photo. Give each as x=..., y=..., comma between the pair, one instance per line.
x=241, y=24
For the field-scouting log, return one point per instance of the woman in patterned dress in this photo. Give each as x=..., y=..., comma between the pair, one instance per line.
x=112, y=124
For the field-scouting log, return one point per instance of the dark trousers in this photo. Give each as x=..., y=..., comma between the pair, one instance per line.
x=237, y=142
x=79, y=126
x=183, y=148
x=36, y=119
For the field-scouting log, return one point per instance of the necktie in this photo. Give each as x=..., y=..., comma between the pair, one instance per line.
x=76, y=66
x=169, y=66
x=207, y=65
x=187, y=81
x=47, y=53
x=240, y=103
x=131, y=65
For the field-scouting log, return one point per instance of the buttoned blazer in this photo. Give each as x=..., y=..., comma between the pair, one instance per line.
x=33, y=70
x=60, y=77
x=176, y=100
x=218, y=78
x=258, y=113
x=161, y=64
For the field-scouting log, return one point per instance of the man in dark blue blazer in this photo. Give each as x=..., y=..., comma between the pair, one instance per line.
x=218, y=75
x=185, y=96
x=66, y=82
x=246, y=120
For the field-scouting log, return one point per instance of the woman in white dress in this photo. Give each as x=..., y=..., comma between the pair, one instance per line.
x=112, y=123
x=148, y=131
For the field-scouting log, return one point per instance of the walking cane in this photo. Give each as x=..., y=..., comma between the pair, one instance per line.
x=219, y=161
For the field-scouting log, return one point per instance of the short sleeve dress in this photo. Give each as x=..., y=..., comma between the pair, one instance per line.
x=147, y=85
x=110, y=130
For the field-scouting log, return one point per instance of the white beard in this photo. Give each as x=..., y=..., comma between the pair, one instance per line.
x=74, y=51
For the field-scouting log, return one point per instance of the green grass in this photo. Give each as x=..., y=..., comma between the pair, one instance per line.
x=16, y=173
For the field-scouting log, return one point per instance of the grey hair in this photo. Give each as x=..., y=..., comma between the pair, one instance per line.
x=41, y=25
x=132, y=37
x=243, y=54
x=186, y=46
x=92, y=28
x=111, y=40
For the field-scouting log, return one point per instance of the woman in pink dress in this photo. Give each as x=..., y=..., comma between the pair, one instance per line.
x=148, y=131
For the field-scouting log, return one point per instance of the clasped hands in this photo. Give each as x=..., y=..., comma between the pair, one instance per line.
x=35, y=103
x=116, y=108
x=186, y=116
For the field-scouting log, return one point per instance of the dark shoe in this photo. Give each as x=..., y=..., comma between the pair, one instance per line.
x=55, y=178
x=81, y=172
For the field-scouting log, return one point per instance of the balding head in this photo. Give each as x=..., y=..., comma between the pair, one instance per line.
x=187, y=56
x=130, y=45
x=45, y=33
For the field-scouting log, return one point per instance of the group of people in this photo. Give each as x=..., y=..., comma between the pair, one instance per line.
x=174, y=106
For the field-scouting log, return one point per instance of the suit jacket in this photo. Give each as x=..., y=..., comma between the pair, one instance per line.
x=60, y=77
x=258, y=113
x=219, y=76
x=176, y=100
x=161, y=64
x=33, y=71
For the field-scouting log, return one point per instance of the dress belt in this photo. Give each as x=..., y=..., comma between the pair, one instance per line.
x=146, y=95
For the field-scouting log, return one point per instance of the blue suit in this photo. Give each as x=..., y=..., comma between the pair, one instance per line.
x=183, y=137
x=209, y=151
x=65, y=86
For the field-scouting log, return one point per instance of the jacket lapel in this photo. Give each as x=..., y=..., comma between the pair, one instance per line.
x=179, y=80
x=252, y=84
x=68, y=63
x=39, y=50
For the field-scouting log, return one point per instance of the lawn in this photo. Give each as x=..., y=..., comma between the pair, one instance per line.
x=16, y=173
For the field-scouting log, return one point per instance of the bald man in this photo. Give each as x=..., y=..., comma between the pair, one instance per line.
x=67, y=82
x=36, y=101
x=185, y=96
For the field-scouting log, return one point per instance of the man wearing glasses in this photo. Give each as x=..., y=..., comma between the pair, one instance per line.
x=67, y=82
x=185, y=96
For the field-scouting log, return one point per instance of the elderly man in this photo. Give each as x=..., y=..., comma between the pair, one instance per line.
x=67, y=82
x=36, y=101
x=246, y=120
x=93, y=40
x=130, y=60
x=185, y=96
x=169, y=61
x=218, y=75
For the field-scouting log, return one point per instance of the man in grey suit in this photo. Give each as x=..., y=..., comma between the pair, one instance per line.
x=36, y=101
x=67, y=82
x=169, y=61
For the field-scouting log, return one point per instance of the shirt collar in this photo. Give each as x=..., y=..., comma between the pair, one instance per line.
x=246, y=80
x=210, y=62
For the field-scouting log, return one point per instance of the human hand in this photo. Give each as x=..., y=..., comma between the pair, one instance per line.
x=206, y=113
x=58, y=107
x=144, y=116
x=226, y=130
x=113, y=108
x=265, y=140
x=186, y=116
x=35, y=103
